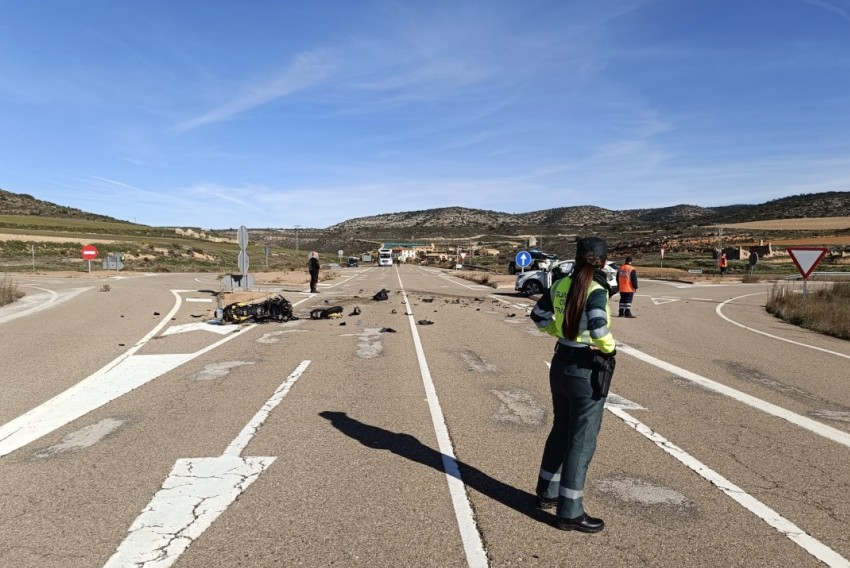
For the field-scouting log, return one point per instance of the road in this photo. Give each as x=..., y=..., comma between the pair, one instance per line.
x=134, y=433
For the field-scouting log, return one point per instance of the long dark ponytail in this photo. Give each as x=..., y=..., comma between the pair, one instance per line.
x=582, y=276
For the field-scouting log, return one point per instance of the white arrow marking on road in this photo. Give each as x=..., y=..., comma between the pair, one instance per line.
x=195, y=493
x=117, y=378
x=659, y=301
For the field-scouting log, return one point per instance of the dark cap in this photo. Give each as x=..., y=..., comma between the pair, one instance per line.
x=591, y=248
x=629, y=260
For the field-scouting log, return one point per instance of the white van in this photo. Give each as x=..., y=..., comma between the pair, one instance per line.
x=385, y=257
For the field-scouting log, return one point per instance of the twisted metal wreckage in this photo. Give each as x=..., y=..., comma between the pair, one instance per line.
x=272, y=309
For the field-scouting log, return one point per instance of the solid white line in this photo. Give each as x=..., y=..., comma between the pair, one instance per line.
x=705, y=299
x=207, y=300
x=812, y=425
x=768, y=515
x=719, y=310
x=238, y=445
x=472, y=544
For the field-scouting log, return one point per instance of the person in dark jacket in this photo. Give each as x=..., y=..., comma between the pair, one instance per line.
x=576, y=312
x=313, y=268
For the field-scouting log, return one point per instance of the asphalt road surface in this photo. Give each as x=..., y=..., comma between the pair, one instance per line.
x=133, y=432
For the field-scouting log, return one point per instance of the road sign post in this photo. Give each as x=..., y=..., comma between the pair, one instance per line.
x=662, y=262
x=754, y=258
x=89, y=253
x=806, y=259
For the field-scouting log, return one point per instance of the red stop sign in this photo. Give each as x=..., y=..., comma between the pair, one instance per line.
x=89, y=252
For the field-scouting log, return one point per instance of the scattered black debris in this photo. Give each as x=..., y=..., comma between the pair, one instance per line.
x=196, y=315
x=122, y=315
x=511, y=315
x=427, y=300
x=156, y=313
x=120, y=345
x=342, y=323
x=477, y=309
x=355, y=311
x=381, y=295
x=479, y=299
x=425, y=322
x=386, y=330
x=326, y=313
x=393, y=311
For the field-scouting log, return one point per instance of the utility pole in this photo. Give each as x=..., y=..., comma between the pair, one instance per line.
x=296, y=238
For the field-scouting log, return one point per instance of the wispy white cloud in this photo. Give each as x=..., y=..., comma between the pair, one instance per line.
x=839, y=9
x=306, y=70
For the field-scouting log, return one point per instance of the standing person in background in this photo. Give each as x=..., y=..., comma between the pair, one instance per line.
x=575, y=310
x=628, y=283
x=313, y=268
x=723, y=263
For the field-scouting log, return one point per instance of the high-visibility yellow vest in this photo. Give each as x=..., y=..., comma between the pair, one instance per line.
x=558, y=293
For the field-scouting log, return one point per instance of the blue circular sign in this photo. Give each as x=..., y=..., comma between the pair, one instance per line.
x=523, y=259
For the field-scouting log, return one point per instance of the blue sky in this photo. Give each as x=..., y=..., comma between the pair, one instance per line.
x=268, y=113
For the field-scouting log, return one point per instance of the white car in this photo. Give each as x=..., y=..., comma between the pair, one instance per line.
x=538, y=281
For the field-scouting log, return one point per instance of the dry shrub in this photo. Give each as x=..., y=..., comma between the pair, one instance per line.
x=478, y=278
x=826, y=310
x=9, y=291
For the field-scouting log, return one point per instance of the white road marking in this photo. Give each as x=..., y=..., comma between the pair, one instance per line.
x=198, y=326
x=471, y=538
x=659, y=301
x=804, y=422
x=204, y=300
x=719, y=310
x=241, y=442
x=33, y=304
x=195, y=493
x=705, y=299
x=118, y=377
x=768, y=515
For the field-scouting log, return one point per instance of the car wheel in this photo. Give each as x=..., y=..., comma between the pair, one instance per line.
x=532, y=287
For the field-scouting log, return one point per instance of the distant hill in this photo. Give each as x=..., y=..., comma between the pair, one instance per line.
x=23, y=204
x=828, y=204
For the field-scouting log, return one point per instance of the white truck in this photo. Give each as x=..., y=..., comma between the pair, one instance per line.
x=385, y=257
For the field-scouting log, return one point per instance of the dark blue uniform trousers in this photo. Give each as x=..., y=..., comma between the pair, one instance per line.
x=572, y=441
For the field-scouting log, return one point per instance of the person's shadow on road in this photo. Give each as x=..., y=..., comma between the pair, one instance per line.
x=410, y=447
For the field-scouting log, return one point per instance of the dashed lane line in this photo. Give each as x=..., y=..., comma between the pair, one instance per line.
x=470, y=536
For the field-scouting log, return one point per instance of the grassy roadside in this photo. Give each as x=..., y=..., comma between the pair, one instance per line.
x=8, y=291
x=826, y=310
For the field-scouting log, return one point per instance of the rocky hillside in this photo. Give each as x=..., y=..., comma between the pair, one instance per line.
x=23, y=204
x=829, y=204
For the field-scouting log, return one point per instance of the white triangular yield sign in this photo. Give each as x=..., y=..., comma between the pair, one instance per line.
x=659, y=301
x=806, y=258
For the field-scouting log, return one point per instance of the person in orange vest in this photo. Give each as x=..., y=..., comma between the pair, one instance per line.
x=628, y=283
x=723, y=263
